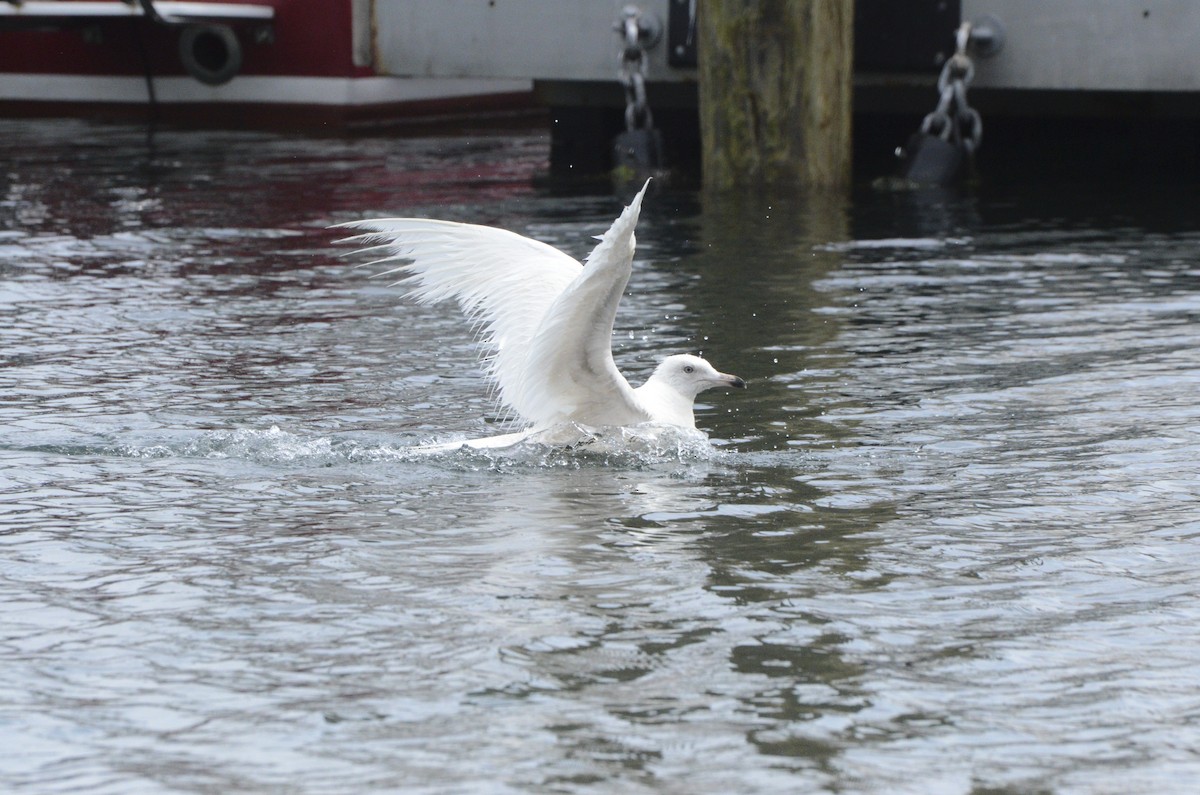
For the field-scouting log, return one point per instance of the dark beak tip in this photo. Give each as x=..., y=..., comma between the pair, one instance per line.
x=738, y=383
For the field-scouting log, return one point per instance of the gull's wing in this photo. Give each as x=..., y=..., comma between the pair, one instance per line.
x=504, y=283
x=577, y=379
x=547, y=320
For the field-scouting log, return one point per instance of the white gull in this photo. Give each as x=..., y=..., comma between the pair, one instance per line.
x=546, y=321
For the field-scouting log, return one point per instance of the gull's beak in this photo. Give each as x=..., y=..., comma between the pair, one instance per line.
x=726, y=380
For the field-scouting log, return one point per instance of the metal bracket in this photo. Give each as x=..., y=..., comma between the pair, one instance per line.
x=681, y=34
x=639, y=28
x=987, y=36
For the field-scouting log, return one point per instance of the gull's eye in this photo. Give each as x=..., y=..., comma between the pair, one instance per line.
x=687, y=368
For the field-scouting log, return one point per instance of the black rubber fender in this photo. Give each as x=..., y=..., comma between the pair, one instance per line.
x=210, y=53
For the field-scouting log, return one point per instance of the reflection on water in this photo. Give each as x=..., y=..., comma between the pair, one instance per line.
x=946, y=542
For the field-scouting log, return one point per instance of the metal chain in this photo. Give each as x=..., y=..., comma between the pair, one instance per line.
x=953, y=119
x=633, y=72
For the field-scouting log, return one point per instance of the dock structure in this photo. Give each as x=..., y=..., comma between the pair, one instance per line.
x=623, y=81
x=775, y=85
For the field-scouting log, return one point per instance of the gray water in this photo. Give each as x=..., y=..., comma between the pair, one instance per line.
x=947, y=542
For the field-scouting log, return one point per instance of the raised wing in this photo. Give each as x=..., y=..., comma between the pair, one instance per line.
x=546, y=319
x=504, y=283
x=577, y=378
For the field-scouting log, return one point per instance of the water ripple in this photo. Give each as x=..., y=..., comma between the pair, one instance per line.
x=945, y=543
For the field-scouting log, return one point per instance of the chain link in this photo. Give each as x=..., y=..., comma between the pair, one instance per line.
x=633, y=73
x=954, y=120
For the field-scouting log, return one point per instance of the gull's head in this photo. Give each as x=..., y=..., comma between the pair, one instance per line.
x=690, y=375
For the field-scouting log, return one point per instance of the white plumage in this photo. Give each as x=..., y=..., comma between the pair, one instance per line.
x=545, y=319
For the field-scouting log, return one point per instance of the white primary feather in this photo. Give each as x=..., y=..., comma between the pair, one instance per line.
x=546, y=320
x=502, y=281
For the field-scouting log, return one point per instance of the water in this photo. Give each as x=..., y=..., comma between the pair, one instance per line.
x=947, y=542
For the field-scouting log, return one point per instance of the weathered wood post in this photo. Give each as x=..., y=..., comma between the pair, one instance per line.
x=775, y=92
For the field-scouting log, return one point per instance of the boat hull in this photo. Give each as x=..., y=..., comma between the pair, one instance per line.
x=275, y=64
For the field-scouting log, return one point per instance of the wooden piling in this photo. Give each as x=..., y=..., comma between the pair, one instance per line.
x=775, y=92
